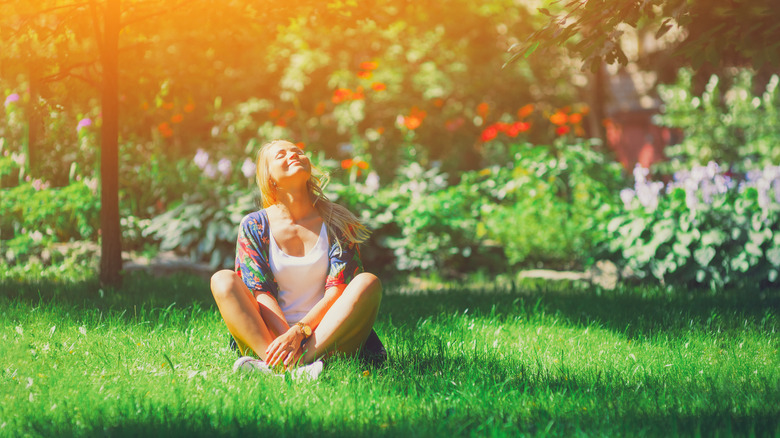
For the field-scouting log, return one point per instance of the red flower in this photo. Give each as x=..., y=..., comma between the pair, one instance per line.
x=346, y=164
x=489, y=133
x=378, y=86
x=301, y=145
x=274, y=113
x=501, y=126
x=562, y=130
x=177, y=118
x=369, y=65
x=516, y=128
x=438, y=102
x=341, y=94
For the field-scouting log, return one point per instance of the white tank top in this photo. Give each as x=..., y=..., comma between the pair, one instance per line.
x=301, y=280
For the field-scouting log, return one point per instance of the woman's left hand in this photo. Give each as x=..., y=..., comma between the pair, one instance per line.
x=285, y=349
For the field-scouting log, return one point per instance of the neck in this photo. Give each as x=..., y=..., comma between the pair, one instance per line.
x=295, y=203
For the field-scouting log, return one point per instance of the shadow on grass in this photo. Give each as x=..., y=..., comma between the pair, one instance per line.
x=632, y=311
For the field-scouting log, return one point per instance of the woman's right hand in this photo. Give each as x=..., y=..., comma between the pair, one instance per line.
x=285, y=349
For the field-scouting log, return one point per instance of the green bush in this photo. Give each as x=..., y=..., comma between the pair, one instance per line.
x=702, y=229
x=544, y=205
x=736, y=127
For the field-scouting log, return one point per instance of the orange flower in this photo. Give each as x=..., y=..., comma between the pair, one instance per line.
x=369, y=65
x=274, y=113
x=341, y=94
x=361, y=165
x=301, y=145
x=190, y=107
x=559, y=118
x=562, y=130
x=415, y=118
x=364, y=74
x=177, y=118
x=483, y=109
x=525, y=111
x=380, y=130
x=438, y=102
x=320, y=108
x=378, y=86
x=346, y=164
x=165, y=129
x=145, y=106
x=489, y=133
x=575, y=118
x=412, y=122
x=281, y=122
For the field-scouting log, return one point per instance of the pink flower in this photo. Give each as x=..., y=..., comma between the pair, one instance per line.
x=13, y=97
x=83, y=123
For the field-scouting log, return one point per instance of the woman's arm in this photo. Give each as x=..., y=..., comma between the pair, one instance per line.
x=286, y=348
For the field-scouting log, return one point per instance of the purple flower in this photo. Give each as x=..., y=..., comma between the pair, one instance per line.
x=201, y=159
x=223, y=166
x=248, y=168
x=210, y=170
x=13, y=97
x=83, y=123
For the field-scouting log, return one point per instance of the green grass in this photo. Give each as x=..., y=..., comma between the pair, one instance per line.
x=558, y=359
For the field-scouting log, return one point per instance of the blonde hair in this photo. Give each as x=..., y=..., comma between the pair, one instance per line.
x=338, y=220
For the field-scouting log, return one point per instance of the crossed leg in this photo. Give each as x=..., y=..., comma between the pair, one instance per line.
x=255, y=323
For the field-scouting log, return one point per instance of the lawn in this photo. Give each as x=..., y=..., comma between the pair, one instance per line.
x=537, y=359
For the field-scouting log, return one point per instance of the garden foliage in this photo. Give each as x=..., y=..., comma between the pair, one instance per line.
x=738, y=127
x=701, y=229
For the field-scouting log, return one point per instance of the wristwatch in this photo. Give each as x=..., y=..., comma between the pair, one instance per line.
x=305, y=329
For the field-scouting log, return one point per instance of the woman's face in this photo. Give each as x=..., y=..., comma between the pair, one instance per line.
x=287, y=164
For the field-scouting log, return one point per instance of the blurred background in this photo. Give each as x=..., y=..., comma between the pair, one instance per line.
x=464, y=158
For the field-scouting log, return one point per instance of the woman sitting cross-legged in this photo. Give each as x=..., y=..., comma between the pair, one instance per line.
x=298, y=293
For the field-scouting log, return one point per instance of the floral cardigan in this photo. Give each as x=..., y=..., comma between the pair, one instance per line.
x=254, y=237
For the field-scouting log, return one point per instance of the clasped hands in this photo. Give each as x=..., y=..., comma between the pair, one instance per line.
x=285, y=349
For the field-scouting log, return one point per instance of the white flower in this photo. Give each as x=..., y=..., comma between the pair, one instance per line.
x=248, y=168
x=201, y=158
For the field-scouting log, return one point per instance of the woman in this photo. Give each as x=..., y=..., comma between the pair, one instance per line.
x=298, y=292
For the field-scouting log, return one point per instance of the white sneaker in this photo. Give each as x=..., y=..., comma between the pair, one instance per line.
x=309, y=372
x=248, y=364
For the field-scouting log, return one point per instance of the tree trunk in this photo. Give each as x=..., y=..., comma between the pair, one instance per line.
x=33, y=123
x=111, y=242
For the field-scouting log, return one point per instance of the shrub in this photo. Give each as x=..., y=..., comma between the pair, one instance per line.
x=703, y=229
x=737, y=126
x=544, y=205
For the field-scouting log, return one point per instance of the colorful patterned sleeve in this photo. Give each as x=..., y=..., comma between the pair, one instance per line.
x=344, y=265
x=252, y=255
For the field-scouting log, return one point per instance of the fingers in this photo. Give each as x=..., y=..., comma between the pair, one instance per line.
x=283, y=352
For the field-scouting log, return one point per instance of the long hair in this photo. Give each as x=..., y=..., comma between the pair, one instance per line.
x=338, y=220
